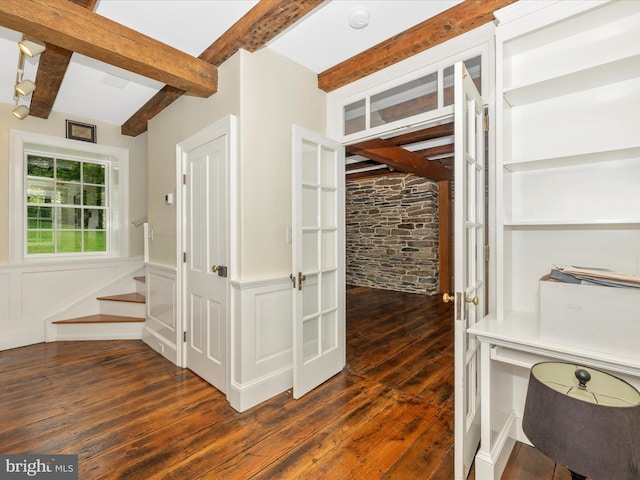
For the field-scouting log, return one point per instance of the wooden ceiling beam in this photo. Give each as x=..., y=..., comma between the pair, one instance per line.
x=455, y=21
x=266, y=20
x=52, y=66
x=77, y=29
x=438, y=131
x=387, y=152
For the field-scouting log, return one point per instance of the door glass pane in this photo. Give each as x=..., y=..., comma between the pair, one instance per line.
x=329, y=249
x=474, y=67
x=310, y=296
x=328, y=168
x=310, y=251
x=309, y=163
x=406, y=100
x=329, y=331
x=328, y=208
x=329, y=286
x=354, y=117
x=309, y=206
x=310, y=339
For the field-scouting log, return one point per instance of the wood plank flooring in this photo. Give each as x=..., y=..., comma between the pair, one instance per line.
x=128, y=413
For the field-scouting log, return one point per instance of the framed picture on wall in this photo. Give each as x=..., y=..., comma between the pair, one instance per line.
x=81, y=131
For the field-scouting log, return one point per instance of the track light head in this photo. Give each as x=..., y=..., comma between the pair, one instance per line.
x=25, y=87
x=31, y=47
x=20, y=112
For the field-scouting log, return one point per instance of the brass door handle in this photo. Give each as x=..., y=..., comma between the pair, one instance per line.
x=446, y=298
x=473, y=300
x=214, y=268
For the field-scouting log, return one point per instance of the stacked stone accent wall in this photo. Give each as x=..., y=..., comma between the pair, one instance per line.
x=392, y=233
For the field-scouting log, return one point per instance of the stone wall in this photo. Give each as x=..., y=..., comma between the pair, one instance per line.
x=392, y=233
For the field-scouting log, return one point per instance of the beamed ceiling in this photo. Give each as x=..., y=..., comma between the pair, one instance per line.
x=72, y=27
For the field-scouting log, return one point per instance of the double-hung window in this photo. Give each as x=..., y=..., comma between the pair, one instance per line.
x=66, y=205
x=69, y=199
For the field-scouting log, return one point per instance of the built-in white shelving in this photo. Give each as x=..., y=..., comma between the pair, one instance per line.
x=567, y=186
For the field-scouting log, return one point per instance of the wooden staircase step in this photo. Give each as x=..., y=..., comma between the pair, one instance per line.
x=100, y=318
x=125, y=297
x=141, y=278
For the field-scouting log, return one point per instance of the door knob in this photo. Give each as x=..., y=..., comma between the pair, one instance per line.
x=220, y=269
x=446, y=298
x=473, y=300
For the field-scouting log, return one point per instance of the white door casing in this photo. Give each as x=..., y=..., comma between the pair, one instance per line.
x=318, y=278
x=205, y=159
x=469, y=224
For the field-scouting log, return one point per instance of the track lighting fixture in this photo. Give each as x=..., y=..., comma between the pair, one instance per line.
x=31, y=47
x=25, y=87
x=20, y=112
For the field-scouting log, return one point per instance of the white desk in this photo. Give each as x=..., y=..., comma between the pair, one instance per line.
x=516, y=342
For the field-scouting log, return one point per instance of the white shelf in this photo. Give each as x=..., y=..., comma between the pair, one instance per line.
x=573, y=160
x=591, y=223
x=586, y=79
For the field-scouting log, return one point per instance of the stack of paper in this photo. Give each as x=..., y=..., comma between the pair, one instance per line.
x=594, y=276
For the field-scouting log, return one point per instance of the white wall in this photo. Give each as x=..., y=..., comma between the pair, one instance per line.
x=276, y=93
x=176, y=123
x=107, y=134
x=268, y=93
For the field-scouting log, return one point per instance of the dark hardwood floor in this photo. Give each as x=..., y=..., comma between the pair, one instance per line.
x=128, y=413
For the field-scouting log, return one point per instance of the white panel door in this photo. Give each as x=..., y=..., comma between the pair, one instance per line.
x=205, y=267
x=318, y=260
x=469, y=264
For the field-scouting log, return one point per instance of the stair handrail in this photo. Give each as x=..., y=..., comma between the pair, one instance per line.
x=139, y=221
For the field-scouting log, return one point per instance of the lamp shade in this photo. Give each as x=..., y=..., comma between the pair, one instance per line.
x=25, y=87
x=31, y=47
x=584, y=419
x=21, y=112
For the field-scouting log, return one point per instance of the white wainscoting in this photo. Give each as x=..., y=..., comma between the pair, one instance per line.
x=160, y=330
x=261, y=341
x=34, y=294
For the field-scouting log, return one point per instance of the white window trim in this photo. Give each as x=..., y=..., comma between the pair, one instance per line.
x=118, y=224
x=473, y=43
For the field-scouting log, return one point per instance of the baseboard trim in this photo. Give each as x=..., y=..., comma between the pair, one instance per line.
x=243, y=397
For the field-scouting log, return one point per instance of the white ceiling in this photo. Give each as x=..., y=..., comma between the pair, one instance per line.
x=100, y=92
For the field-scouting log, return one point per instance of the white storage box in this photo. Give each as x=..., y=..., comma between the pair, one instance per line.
x=605, y=319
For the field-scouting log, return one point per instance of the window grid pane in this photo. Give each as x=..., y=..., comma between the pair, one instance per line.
x=79, y=190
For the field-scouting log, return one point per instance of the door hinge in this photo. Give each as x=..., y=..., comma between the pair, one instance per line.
x=184, y=257
x=293, y=280
x=184, y=336
x=487, y=253
x=184, y=178
x=485, y=123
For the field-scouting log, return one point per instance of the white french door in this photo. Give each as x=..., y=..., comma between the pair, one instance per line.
x=205, y=164
x=469, y=224
x=318, y=276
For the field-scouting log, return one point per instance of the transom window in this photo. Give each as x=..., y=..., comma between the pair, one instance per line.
x=66, y=205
